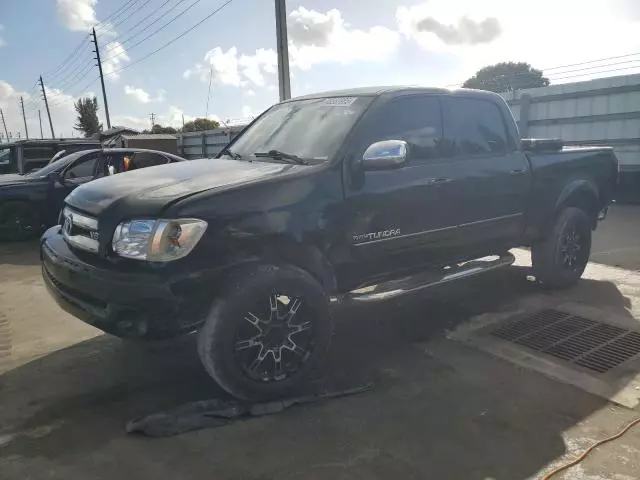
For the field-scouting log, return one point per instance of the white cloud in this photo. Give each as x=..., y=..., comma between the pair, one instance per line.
x=137, y=93
x=114, y=56
x=142, y=96
x=247, y=111
x=314, y=37
x=2, y=42
x=476, y=34
x=255, y=66
x=317, y=37
x=77, y=15
x=230, y=68
x=250, y=93
x=221, y=65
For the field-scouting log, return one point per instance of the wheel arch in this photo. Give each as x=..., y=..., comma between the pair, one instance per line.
x=281, y=249
x=580, y=193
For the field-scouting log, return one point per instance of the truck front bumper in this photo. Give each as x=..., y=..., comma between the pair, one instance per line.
x=135, y=305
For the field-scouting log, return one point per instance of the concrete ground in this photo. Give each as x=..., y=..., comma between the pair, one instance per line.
x=439, y=409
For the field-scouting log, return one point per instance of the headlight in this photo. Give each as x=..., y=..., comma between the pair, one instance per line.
x=157, y=240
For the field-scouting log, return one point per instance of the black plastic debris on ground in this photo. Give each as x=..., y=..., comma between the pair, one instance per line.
x=217, y=412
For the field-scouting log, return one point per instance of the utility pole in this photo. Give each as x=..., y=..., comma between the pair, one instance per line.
x=6, y=133
x=283, y=50
x=183, y=122
x=206, y=112
x=104, y=92
x=40, y=119
x=26, y=132
x=46, y=104
x=152, y=116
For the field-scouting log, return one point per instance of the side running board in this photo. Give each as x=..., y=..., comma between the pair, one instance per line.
x=424, y=280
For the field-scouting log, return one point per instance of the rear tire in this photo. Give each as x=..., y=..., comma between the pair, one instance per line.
x=559, y=261
x=18, y=221
x=266, y=332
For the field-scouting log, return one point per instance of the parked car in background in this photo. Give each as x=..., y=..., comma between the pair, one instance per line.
x=394, y=189
x=29, y=202
x=25, y=156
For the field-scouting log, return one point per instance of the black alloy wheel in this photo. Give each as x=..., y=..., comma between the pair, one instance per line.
x=573, y=247
x=275, y=338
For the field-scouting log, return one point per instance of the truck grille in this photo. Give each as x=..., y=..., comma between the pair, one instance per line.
x=80, y=230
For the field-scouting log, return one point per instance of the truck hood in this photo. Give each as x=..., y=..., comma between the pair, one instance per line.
x=150, y=190
x=11, y=179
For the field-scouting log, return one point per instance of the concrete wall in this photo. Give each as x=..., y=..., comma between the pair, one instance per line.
x=597, y=112
x=205, y=144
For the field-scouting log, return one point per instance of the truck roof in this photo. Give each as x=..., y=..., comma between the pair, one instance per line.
x=392, y=90
x=48, y=141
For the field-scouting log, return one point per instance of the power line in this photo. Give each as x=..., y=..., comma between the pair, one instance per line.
x=72, y=73
x=559, y=75
x=595, y=73
x=78, y=80
x=157, y=30
x=591, y=61
x=123, y=8
x=69, y=57
x=130, y=15
x=127, y=39
x=74, y=79
x=595, y=66
x=207, y=17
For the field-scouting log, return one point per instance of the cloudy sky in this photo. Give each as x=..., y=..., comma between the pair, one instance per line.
x=333, y=44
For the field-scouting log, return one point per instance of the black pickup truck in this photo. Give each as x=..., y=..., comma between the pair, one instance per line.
x=357, y=195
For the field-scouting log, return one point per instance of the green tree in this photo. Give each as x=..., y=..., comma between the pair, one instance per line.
x=506, y=76
x=200, y=124
x=160, y=129
x=87, y=122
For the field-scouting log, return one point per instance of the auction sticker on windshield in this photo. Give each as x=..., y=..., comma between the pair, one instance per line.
x=339, y=101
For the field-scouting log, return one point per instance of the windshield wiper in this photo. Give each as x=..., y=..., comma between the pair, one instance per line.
x=278, y=155
x=234, y=155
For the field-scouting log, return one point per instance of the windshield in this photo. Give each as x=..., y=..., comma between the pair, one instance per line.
x=55, y=166
x=311, y=129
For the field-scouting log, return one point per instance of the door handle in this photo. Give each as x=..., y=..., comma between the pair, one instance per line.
x=517, y=171
x=438, y=180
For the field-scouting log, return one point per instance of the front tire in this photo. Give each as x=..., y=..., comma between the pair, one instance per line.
x=266, y=332
x=559, y=261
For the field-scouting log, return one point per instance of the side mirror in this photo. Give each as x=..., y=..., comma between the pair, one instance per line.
x=56, y=177
x=385, y=155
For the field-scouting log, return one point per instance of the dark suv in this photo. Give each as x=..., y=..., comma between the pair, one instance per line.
x=24, y=156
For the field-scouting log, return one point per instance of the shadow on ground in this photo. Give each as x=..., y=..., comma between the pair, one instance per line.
x=461, y=415
x=20, y=253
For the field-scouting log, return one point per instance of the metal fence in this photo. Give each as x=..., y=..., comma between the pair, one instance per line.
x=605, y=111
x=206, y=144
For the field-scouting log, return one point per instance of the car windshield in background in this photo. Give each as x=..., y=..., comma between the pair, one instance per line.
x=311, y=129
x=55, y=166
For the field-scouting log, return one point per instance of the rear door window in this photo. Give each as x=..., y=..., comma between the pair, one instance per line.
x=473, y=127
x=146, y=159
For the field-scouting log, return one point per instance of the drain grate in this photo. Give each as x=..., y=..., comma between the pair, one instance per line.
x=593, y=345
